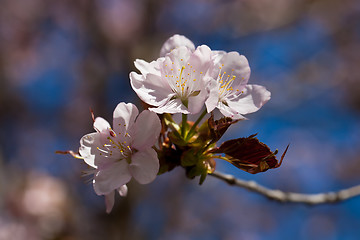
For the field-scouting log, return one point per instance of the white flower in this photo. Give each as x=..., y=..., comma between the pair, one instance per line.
x=229, y=91
x=175, y=42
x=123, y=152
x=176, y=83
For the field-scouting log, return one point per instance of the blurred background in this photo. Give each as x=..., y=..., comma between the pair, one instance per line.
x=59, y=58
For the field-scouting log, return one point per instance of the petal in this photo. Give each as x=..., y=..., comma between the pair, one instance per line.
x=175, y=42
x=151, y=89
x=112, y=177
x=173, y=106
x=251, y=100
x=123, y=190
x=124, y=117
x=201, y=60
x=145, y=67
x=233, y=64
x=109, y=201
x=101, y=125
x=176, y=59
x=200, y=65
x=146, y=130
x=229, y=112
x=217, y=56
x=144, y=166
x=213, y=98
x=195, y=103
x=88, y=145
x=94, y=153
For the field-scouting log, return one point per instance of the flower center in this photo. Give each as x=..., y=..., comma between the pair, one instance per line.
x=113, y=147
x=183, y=80
x=225, y=82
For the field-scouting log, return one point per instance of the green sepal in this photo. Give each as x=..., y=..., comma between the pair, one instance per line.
x=203, y=176
x=177, y=139
x=189, y=158
x=192, y=172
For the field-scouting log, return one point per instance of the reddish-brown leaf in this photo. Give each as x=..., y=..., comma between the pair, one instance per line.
x=250, y=155
x=219, y=127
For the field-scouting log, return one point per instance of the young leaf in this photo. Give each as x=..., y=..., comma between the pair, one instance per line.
x=249, y=154
x=219, y=127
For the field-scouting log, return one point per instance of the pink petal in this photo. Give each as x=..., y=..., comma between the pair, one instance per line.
x=175, y=42
x=123, y=190
x=144, y=166
x=229, y=112
x=112, y=177
x=217, y=56
x=87, y=150
x=176, y=59
x=146, y=130
x=201, y=60
x=213, y=98
x=252, y=99
x=124, y=116
x=145, y=67
x=109, y=201
x=233, y=64
x=93, y=156
x=195, y=103
x=101, y=125
x=173, y=106
x=151, y=89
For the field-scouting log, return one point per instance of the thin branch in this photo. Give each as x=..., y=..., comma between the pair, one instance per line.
x=278, y=195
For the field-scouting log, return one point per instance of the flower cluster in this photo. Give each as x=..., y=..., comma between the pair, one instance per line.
x=184, y=80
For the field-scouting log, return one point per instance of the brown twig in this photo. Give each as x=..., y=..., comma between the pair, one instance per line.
x=278, y=195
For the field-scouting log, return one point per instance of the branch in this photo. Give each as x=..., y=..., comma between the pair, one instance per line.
x=278, y=195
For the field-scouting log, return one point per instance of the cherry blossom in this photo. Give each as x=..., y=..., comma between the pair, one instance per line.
x=176, y=83
x=229, y=91
x=122, y=152
x=175, y=42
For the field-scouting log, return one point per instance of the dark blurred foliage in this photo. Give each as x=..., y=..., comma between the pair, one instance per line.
x=59, y=58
